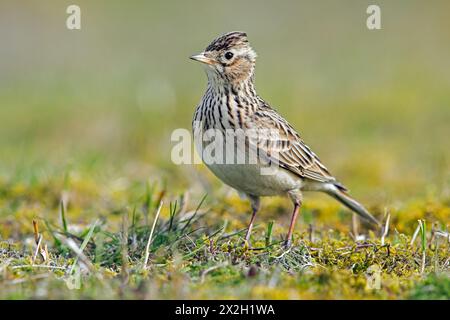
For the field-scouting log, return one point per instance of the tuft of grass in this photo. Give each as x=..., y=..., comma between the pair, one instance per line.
x=194, y=250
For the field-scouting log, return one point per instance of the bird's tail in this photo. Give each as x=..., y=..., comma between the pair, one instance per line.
x=340, y=195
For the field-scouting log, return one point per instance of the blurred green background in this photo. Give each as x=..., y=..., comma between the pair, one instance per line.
x=103, y=101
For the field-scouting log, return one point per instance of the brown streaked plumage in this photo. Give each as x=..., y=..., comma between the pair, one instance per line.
x=231, y=102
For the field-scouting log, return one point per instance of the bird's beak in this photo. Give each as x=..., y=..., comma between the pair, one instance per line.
x=202, y=58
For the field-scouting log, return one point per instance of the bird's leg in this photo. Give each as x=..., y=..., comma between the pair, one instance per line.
x=255, y=207
x=250, y=227
x=288, y=241
x=297, y=204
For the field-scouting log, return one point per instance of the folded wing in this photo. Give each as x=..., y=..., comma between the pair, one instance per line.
x=283, y=145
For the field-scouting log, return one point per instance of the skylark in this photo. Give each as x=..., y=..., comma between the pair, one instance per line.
x=230, y=103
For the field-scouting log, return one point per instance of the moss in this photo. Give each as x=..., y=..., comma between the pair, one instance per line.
x=203, y=255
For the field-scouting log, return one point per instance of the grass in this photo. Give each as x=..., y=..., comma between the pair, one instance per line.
x=189, y=249
x=85, y=153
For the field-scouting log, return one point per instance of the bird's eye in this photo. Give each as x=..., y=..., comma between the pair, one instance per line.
x=229, y=55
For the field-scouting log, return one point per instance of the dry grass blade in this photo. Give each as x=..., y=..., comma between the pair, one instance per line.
x=36, y=231
x=71, y=244
x=38, y=246
x=386, y=228
x=38, y=266
x=84, y=244
x=43, y=251
x=147, y=247
x=416, y=232
x=423, y=236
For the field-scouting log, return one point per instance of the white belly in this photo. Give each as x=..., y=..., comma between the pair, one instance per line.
x=249, y=179
x=244, y=176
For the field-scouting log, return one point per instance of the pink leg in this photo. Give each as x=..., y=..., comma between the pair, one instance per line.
x=292, y=225
x=255, y=207
x=250, y=226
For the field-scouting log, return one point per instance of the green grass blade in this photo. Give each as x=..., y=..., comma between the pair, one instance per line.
x=84, y=244
x=63, y=216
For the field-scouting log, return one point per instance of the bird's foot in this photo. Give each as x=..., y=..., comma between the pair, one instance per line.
x=287, y=244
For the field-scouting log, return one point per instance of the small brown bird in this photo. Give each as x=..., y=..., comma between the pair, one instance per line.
x=230, y=103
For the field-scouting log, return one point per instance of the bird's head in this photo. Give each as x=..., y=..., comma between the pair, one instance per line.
x=228, y=58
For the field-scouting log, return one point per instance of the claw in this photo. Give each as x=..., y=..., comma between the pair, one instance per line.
x=287, y=244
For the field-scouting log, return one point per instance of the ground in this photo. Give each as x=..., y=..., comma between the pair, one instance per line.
x=85, y=152
x=197, y=250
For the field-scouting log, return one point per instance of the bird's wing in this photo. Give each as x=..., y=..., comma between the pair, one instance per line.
x=286, y=148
